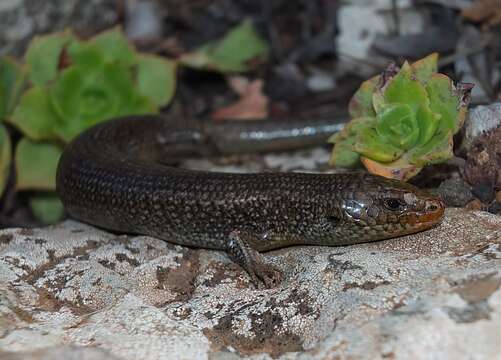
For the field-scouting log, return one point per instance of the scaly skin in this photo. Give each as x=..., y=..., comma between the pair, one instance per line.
x=110, y=176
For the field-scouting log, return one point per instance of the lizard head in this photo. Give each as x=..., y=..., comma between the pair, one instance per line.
x=375, y=208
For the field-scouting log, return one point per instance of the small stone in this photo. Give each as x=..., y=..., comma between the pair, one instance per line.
x=484, y=192
x=143, y=20
x=495, y=208
x=481, y=119
x=475, y=205
x=455, y=192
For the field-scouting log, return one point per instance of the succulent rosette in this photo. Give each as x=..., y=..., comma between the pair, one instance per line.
x=76, y=84
x=65, y=86
x=402, y=121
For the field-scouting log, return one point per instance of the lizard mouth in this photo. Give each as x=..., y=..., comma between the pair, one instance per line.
x=431, y=216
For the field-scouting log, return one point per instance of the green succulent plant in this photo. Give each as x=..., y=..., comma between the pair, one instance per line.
x=235, y=52
x=12, y=80
x=66, y=85
x=402, y=121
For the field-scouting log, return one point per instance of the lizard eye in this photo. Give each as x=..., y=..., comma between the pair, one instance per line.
x=394, y=204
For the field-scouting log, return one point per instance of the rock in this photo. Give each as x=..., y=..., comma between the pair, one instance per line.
x=143, y=20
x=360, y=22
x=455, y=192
x=20, y=20
x=435, y=294
x=483, y=165
x=481, y=119
x=60, y=353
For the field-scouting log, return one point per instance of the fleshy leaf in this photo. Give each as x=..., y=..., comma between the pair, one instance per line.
x=34, y=115
x=403, y=89
x=424, y=68
x=397, y=125
x=343, y=154
x=5, y=157
x=46, y=207
x=115, y=47
x=361, y=103
x=36, y=164
x=370, y=145
x=131, y=101
x=85, y=54
x=12, y=81
x=428, y=124
x=156, y=78
x=84, y=98
x=438, y=149
x=444, y=101
x=233, y=53
x=43, y=56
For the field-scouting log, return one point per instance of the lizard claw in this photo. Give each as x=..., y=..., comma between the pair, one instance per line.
x=252, y=261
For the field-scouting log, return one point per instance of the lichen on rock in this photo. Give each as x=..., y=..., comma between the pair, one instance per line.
x=140, y=297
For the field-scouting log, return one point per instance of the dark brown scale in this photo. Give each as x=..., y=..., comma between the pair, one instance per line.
x=114, y=176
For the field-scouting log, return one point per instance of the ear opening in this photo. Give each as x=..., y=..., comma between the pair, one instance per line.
x=333, y=219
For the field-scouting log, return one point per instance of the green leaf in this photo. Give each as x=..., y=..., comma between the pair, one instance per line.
x=437, y=150
x=156, y=78
x=428, y=124
x=43, y=56
x=86, y=54
x=424, y=68
x=369, y=144
x=444, y=101
x=66, y=93
x=36, y=165
x=361, y=103
x=406, y=90
x=343, y=154
x=12, y=81
x=83, y=98
x=115, y=46
x=397, y=125
x=139, y=105
x=131, y=101
x=34, y=115
x=47, y=207
x=5, y=157
x=378, y=102
x=233, y=53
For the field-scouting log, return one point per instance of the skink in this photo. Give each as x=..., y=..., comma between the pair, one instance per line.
x=117, y=175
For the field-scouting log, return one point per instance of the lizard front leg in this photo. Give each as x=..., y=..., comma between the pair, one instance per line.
x=239, y=249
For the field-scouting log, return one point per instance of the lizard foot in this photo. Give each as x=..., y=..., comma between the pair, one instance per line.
x=241, y=252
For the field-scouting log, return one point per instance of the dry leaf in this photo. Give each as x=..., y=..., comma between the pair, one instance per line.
x=486, y=11
x=253, y=104
x=397, y=170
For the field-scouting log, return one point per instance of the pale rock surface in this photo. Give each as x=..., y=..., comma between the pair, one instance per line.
x=75, y=292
